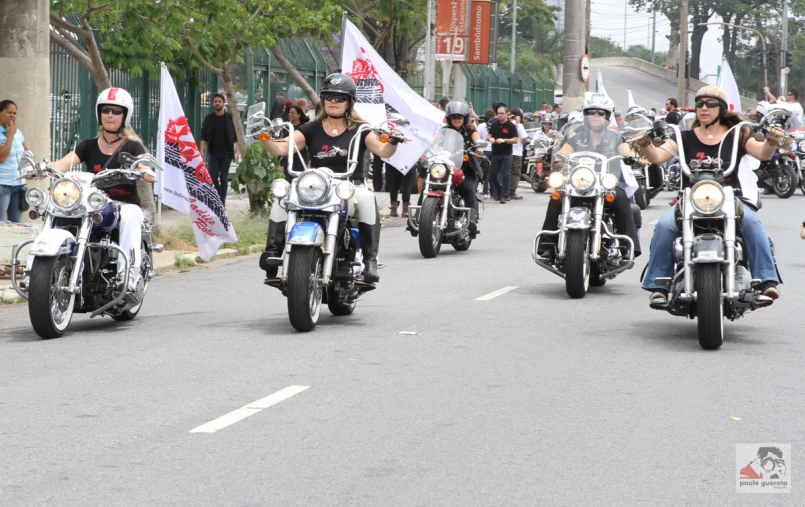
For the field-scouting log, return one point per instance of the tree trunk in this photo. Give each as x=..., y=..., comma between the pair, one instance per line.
x=88, y=56
x=673, y=43
x=696, y=50
x=300, y=81
x=734, y=41
x=229, y=89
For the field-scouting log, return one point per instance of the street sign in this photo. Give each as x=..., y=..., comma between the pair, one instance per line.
x=452, y=17
x=585, y=68
x=786, y=70
x=452, y=47
x=480, y=25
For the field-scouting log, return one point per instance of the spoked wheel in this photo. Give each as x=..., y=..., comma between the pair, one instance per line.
x=577, y=264
x=784, y=183
x=50, y=305
x=463, y=244
x=641, y=197
x=304, y=287
x=709, y=306
x=430, y=235
x=145, y=267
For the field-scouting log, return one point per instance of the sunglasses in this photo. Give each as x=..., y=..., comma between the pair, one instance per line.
x=115, y=111
x=456, y=117
x=711, y=104
x=598, y=112
x=338, y=99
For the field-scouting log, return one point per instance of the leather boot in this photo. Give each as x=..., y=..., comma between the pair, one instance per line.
x=405, y=209
x=275, y=242
x=370, y=244
x=393, y=208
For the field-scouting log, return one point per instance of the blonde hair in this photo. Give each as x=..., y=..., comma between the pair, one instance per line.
x=126, y=133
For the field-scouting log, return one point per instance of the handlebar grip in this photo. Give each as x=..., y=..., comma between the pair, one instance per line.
x=127, y=158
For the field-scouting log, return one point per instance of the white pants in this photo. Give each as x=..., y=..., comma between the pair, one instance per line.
x=131, y=236
x=362, y=206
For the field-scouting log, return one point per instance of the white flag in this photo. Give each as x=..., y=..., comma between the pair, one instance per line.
x=382, y=92
x=630, y=99
x=726, y=81
x=186, y=184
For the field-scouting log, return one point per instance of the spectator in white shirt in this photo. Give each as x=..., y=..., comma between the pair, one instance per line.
x=517, y=153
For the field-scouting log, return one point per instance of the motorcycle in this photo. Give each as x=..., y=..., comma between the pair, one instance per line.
x=74, y=262
x=711, y=278
x=442, y=216
x=650, y=177
x=798, y=148
x=779, y=174
x=538, y=156
x=322, y=259
x=588, y=252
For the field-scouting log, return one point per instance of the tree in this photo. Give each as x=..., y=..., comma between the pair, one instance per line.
x=669, y=9
x=77, y=38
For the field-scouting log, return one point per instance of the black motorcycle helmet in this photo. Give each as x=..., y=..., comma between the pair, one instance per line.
x=340, y=84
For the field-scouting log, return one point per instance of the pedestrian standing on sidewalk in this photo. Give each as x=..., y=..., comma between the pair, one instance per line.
x=12, y=146
x=502, y=135
x=483, y=131
x=218, y=139
x=517, y=153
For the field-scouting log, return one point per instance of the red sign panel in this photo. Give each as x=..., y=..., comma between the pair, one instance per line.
x=480, y=24
x=452, y=17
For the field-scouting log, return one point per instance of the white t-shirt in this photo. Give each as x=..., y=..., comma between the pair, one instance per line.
x=483, y=131
x=517, y=149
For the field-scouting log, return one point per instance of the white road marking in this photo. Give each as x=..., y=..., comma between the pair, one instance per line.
x=654, y=222
x=248, y=410
x=493, y=295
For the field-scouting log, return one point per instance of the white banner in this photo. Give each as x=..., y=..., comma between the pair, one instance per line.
x=382, y=92
x=186, y=184
x=726, y=81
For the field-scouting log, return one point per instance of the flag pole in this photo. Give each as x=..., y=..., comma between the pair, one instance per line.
x=343, y=33
x=161, y=179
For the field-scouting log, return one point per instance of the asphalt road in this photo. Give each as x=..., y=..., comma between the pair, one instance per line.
x=647, y=91
x=528, y=398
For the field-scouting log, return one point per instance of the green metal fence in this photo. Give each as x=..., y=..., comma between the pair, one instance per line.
x=259, y=78
x=526, y=90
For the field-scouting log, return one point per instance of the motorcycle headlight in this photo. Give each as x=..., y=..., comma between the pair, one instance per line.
x=345, y=190
x=707, y=197
x=35, y=196
x=582, y=179
x=802, y=145
x=437, y=171
x=609, y=181
x=556, y=180
x=311, y=187
x=96, y=201
x=280, y=188
x=66, y=194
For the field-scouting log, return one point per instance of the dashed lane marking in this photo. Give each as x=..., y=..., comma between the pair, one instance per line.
x=248, y=410
x=493, y=295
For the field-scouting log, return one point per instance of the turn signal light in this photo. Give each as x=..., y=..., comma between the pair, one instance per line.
x=609, y=198
x=384, y=138
x=265, y=137
x=466, y=158
x=556, y=196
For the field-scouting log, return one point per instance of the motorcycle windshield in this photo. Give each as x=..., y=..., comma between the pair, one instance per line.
x=635, y=125
x=447, y=144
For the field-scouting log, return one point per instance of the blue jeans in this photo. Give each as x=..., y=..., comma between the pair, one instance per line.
x=756, y=243
x=10, y=203
x=500, y=175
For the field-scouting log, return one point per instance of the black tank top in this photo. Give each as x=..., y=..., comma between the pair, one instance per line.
x=703, y=155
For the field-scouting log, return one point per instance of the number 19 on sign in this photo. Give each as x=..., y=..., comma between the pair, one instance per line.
x=451, y=47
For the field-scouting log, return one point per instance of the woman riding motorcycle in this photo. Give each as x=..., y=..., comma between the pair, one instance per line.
x=595, y=136
x=327, y=139
x=458, y=114
x=713, y=120
x=114, y=109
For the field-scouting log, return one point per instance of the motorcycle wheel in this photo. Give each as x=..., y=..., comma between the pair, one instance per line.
x=577, y=264
x=539, y=185
x=338, y=308
x=784, y=183
x=132, y=312
x=802, y=185
x=641, y=197
x=709, y=306
x=430, y=235
x=50, y=308
x=463, y=244
x=304, y=287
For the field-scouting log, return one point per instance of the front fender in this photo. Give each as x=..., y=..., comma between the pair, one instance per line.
x=52, y=242
x=708, y=249
x=306, y=234
x=578, y=218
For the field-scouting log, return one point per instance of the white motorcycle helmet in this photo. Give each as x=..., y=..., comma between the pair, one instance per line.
x=597, y=101
x=115, y=97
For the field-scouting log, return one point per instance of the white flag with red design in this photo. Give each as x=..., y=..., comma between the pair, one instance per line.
x=186, y=183
x=726, y=81
x=381, y=92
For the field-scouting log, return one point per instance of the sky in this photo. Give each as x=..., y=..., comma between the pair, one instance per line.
x=607, y=20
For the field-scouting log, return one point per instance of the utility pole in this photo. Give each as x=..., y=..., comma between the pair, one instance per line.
x=653, y=33
x=783, y=74
x=514, y=32
x=625, y=16
x=681, y=69
x=430, y=62
x=572, y=84
x=25, y=60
